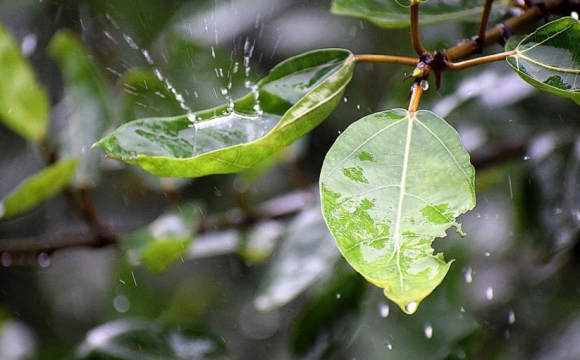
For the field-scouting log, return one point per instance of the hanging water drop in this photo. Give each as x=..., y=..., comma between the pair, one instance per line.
x=384, y=310
x=6, y=259
x=121, y=303
x=428, y=331
x=411, y=307
x=424, y=84
x=44, y=259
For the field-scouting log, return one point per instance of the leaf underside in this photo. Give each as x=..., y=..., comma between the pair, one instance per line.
x=549, y=58
x=395, y=14
x=295, y=97
x=391, y=183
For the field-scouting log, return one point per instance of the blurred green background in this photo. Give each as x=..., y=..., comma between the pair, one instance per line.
x=513, y=291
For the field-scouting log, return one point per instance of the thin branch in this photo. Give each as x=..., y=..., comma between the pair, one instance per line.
x=415, y=33
x=483, y=23
x=480, y=60
x=387, y=59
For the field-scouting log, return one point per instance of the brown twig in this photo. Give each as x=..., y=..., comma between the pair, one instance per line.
x=415, y=31
x=387, y=59
x=483, y=24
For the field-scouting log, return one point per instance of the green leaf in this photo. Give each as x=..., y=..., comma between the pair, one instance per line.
x=23, y=102
x=391, y=183
x=86, y=103
x=395, y=14
x=295, y=97
x=166, y=239
x=306, y=255
x=37, y=188
x=132, y=339
x=549, y=58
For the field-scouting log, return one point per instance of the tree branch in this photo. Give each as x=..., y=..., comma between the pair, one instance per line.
x=415, y=32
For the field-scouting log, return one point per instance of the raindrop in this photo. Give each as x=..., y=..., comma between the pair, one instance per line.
x=338, y=295
x=345, y=99
x=129, y=40
x=527, y=158
x=424, y=85
x=511, y=317
x=6, y=259
x=121, y=303
x=44, y=259
x=411, y=307
x=574, y=14
x=489, y=293
x=384, y=310
x=487, y=254
x=388, y=345
x=468, y=275
x=428, y=331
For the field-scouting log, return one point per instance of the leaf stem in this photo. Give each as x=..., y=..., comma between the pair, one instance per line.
x=415, y=33
x=483, y=23
x=388, y=59
x=416, y=92
x=480, y=60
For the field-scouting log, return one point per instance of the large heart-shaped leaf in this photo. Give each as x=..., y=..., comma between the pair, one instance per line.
x=395, y=14
x=391, y=183
x=549, y=58
x=23, y=102
x=296, y=96
x=37, y=188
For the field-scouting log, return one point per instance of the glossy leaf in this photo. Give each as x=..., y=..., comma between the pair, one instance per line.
x=37, y=188
x=23, y=102
x=137, y=339
x=395, y=14
x=86, y=105
x=305, y=256
x=296, y=96
x=549, y=58
x=166, y=239
x=391, y=183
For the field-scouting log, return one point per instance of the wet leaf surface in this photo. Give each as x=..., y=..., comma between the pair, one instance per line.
x=295, y=97
x=23, y=102
x=549, y=58
x=391, y=183
x=395, y=14
x=37, y=188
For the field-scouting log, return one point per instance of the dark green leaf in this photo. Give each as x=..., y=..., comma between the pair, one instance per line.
x=23, y=102
x=37, y=188
x=140, y=340
x=549, y=58
x=86, y=102
x=166, y=239
x=296, y=96
x=395, y=14
x=305, y=256
x=391, y=183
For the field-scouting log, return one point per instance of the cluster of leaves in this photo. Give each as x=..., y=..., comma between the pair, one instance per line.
x=392, y=182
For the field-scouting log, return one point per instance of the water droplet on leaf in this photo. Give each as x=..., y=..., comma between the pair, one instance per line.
x=411, y=307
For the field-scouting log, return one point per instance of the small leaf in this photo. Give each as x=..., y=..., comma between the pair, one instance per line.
x=23, y=102
x=295, y=97
x=86, y=102
x=417, y=180
x=165, y=240
x=306, y=255
x=549, y=58
x=395, y=14
x=37, y=188
x=131, y=339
